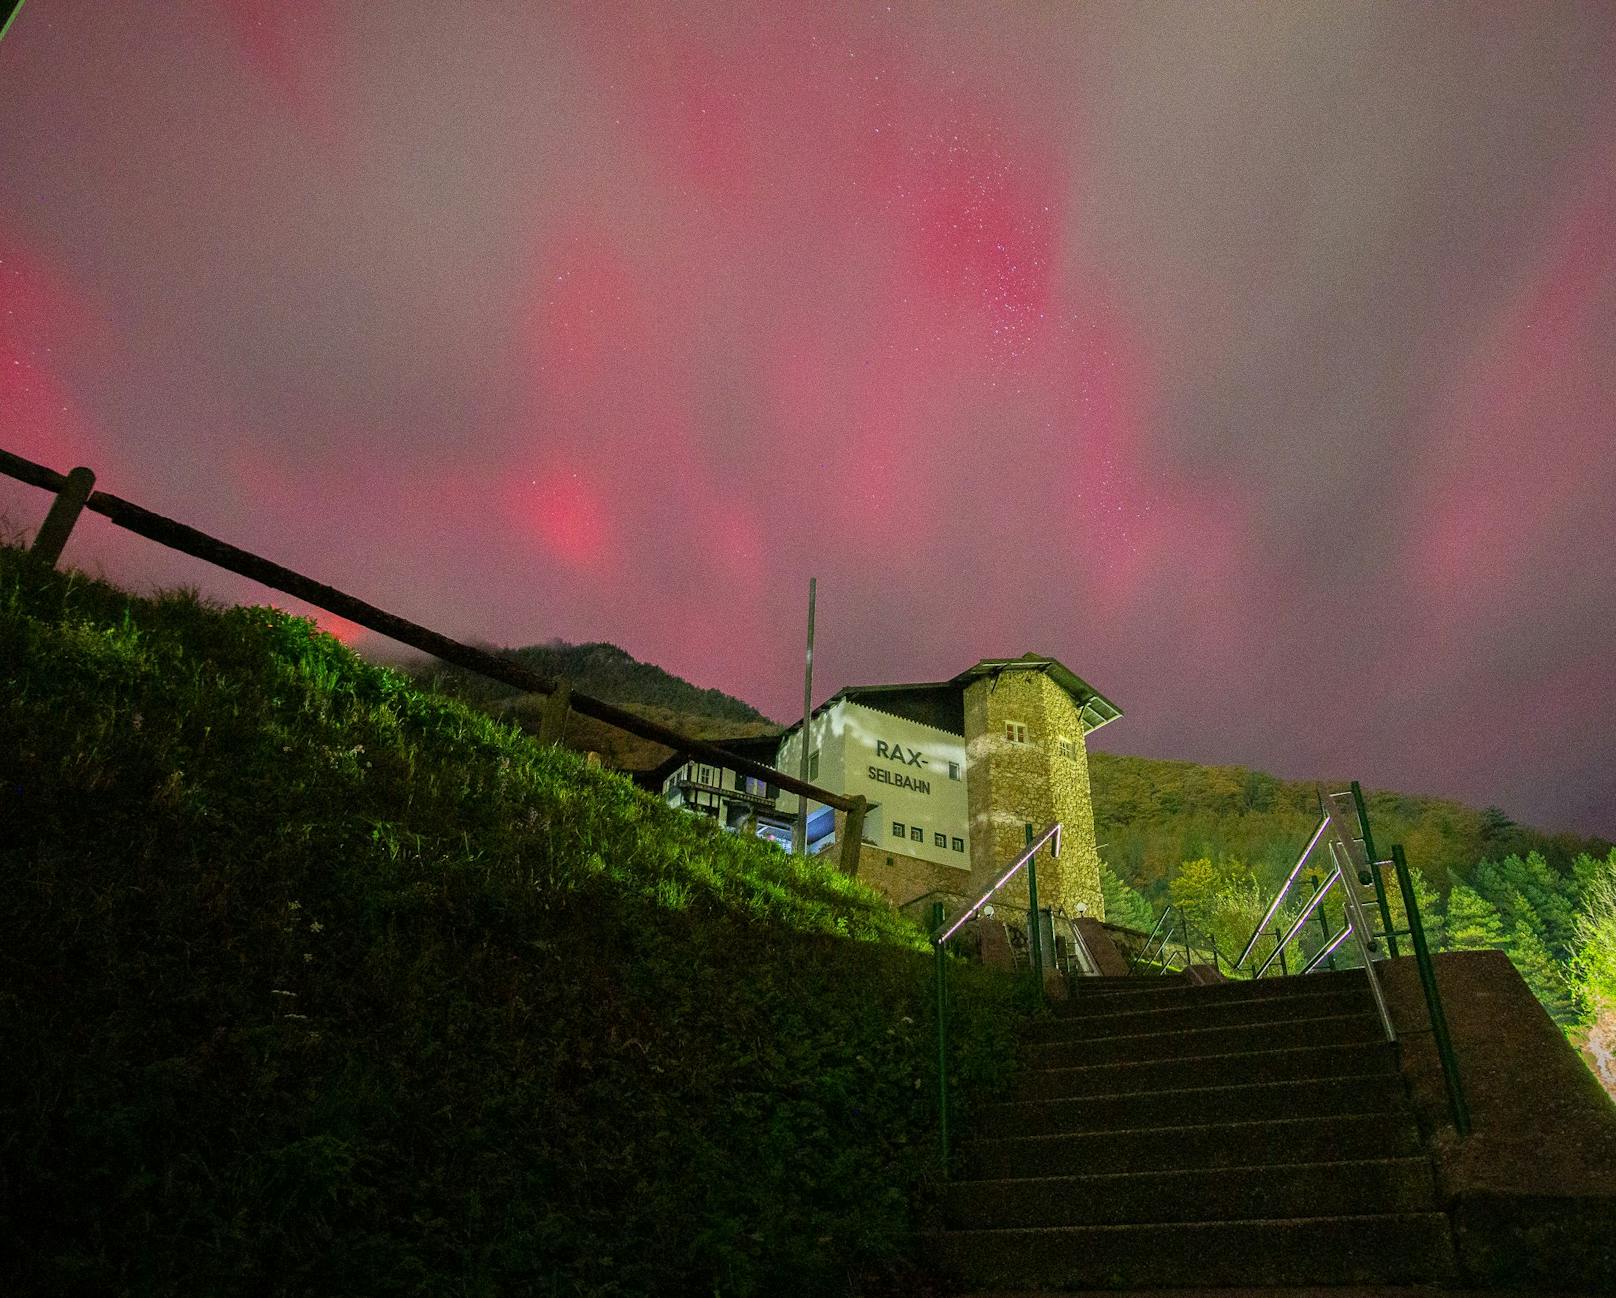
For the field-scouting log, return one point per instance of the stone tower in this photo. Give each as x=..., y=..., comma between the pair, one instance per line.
x=1027, y=763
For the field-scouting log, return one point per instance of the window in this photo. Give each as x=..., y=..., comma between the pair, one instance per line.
x=953, y=770
x=939, y=840
x=897, y=829
x=813, y=766
x=917, y=834
x=1015, y=732
x=959, y=844
x=1068, y=750
x=706, y=774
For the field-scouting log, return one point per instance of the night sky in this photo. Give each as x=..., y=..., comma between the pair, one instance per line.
x=1258, y=361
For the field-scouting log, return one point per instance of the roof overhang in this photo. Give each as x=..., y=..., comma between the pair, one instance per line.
x=1093, y=707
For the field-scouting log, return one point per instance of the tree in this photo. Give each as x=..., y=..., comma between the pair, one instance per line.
x=1593, y=966
x=1527, y=889
x=1473, y=922
x=1426, y=899
x=1544, y=975
x=1193, y=887
x=1495, y=824
x=1124, y=905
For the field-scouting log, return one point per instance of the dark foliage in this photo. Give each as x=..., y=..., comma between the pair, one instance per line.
x=604, y=671
x=315, y=983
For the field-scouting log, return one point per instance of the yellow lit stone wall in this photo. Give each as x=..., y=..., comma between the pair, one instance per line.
x=1010, y=784
x=901, y=878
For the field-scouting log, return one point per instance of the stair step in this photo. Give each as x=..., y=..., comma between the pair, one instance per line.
x=1168, y=991
x=1377, y=1093
x=1295, y=1063
x=1280, y=1190
x=1225, y=1012
x=1181, y=1043
x=1367, y=1249
x=1210, y=1144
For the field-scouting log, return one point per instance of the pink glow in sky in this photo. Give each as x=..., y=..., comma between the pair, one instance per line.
x=1260, y=370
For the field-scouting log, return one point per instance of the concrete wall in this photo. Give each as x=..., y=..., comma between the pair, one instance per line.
x=852, y=740
x=827, y=743
x=1013, y=784
x=1532, y=1189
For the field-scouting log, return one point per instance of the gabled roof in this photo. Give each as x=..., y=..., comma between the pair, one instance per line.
x=942, y=703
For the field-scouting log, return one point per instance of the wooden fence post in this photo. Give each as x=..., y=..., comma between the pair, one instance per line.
x=64, y=512
x=553, y=720
x=853, y=836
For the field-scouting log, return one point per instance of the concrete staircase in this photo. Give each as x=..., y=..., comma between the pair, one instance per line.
x=1241, y=1134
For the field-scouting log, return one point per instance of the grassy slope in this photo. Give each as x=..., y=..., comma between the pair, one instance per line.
x=619, y=749
x=311, y=982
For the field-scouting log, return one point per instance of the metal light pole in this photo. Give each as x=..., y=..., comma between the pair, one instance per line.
x=807, y=722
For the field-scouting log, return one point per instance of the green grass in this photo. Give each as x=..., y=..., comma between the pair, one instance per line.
x=313, y=982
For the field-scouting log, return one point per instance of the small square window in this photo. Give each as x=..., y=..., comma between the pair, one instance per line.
x=1068, y=750
x=959, y=844
x=953, y=770
x=813, y=766
x=917, y=834
x=939, y=840
x=1015, y=732
x=897, y=829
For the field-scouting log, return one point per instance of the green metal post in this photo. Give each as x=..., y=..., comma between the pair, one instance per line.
x=941, y=962
x=10, y=18
x=1433, y=998
x=1324, y=923
x=1374, y=869
x=1035, y=926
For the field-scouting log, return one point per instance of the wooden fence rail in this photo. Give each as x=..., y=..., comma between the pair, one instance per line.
x=73, y=493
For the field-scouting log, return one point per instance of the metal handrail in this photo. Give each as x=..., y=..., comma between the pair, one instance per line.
x=1163, y=918
x=943, y=930
x=1174, y=921
x=1457, y=1104
x=1028, y=853
x=1079, y=942
x=1357, y=927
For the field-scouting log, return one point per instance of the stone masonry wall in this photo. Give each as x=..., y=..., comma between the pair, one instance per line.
x=899, y=878
x=1011, y=784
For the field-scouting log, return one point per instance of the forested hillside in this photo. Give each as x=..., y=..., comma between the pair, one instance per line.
x=1153, y=815
x=604, y=671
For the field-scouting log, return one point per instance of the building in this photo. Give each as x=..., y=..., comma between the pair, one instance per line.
x=955, y=771
x=738, y=802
